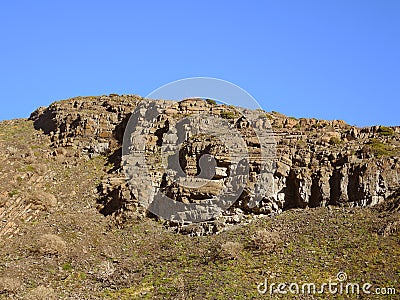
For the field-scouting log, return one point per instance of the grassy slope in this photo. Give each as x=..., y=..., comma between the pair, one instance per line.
x=145, y=260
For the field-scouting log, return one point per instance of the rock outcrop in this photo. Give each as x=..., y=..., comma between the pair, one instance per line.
x=93, y=124
x=316, y=162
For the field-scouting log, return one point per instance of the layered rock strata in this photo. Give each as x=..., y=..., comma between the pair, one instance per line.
x=316, y=162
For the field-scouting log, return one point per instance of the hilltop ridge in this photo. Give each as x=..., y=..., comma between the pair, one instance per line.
x=71, y=227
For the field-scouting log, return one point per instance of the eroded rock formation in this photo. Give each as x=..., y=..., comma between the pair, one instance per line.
x=317, y=162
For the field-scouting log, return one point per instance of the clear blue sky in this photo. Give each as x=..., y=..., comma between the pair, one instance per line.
x=325, y=59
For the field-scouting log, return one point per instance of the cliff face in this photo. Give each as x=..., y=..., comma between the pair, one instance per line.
x=317, y=162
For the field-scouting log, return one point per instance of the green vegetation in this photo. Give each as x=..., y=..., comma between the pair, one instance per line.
x=67, y=267
x=385, y=131
x=27, y=168
x=380, y=149
x=301, y=143
x=13, y=193
x=181, y=116
x=211, y=101
x=335, y=141
x=141, y=292
x=228, y=115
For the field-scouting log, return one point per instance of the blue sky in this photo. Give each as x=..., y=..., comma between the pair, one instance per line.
x=324, y=59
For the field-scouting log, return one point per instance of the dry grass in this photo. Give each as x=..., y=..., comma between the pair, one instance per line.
x=231, y=250
x=42, y=200
x=266, y=241
x=86, y=257
x=40, y=293
x=9, y=285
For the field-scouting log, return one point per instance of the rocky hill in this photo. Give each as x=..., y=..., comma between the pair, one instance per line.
x=318, y=162
x=72, y=228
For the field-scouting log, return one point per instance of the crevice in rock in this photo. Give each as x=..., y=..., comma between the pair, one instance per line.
x=119, y=130
x=335, y=191
x=160, y=132
x=316, y=196
x=292, y=194
x=112, y=202
x=115, y=158
x=354, y=190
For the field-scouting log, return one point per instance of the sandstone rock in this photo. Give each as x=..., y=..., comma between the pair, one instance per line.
x=41, y=292
x=311, y=168
x=88, y=122
x=51, y=244
x=42, y=200
x=9, y=285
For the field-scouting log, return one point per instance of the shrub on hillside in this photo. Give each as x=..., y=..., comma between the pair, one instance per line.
x=231, y=250
x=380, y=149
x=385, y=131
x=211, y=101
x=335, y=141
x=228, y=115
x=265, y=241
